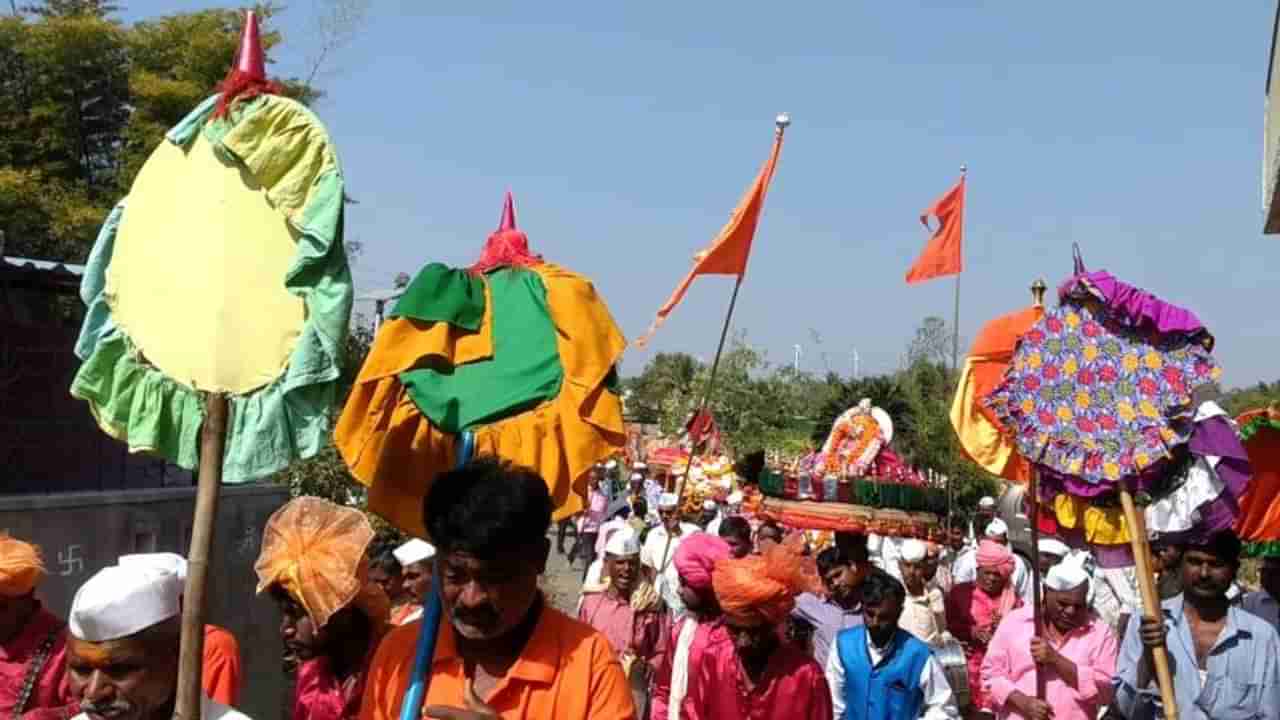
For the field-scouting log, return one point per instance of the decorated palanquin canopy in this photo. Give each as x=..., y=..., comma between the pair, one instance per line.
x=223, y=271
x=515, y=350
x=1099, y=393
x=1259, y=522
x=855, y=482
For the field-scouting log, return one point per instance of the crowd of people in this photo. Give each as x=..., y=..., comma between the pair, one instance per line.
x=714, y=615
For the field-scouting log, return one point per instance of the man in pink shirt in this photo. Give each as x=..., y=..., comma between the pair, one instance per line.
x=1077, y=655
x=685, y=650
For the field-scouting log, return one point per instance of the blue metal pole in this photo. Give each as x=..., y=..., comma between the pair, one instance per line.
x=411, y=709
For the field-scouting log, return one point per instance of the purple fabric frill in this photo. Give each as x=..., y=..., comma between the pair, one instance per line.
x=1140, y=307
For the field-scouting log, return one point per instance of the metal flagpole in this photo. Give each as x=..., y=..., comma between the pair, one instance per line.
x=780, y=125
x=955, y=317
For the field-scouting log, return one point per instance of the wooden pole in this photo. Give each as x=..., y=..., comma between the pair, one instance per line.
x=213, y=436
x=1037, y=607
x=1150, y=600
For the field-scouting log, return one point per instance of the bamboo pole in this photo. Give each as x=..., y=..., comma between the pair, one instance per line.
x=213, y=436
x=1037, y=609
x=1150, y=600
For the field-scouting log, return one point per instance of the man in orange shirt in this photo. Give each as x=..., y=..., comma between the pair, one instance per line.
x=220, y=674
x=501, y=650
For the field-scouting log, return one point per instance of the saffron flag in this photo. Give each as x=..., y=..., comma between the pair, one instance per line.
x=729, y=251
x=944, y=254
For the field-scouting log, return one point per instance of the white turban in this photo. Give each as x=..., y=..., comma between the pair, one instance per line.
x=997, y=528
x=413, y=551
x=735, y=498
x=1066, y=575
x=1054, y=546
x=987, y=503
x=120, y=601
x=708, y=504
x=913, y=550
x=667, y=501
x=623, y=543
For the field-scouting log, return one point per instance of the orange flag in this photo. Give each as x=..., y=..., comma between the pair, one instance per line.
x=944, y=255
x=729, y=251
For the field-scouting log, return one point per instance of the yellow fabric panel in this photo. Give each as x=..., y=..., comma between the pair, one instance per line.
x=197, y=274
x=1101, y=526
x=979, y=438
x=286, y=148
x=403, y=343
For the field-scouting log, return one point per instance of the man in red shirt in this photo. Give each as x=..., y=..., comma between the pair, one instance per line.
x=32, y=641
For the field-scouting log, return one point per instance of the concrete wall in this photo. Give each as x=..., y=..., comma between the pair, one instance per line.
x=83, y=532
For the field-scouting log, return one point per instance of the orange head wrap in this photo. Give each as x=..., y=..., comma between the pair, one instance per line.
x=764, y=587
x=20, y=567
x=315, y=551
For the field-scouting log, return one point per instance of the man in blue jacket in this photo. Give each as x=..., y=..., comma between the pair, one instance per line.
x=878, y=671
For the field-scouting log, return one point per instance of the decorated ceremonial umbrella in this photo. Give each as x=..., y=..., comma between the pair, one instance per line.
x=1259, y=523
x=1099, y=398
x=513, y=357
x=218, y=296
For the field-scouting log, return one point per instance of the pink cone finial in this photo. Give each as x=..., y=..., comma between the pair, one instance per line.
x=250, y=61
x=508, y=214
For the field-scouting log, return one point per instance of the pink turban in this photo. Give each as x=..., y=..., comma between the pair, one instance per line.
x=697, y=557
x=992, y=555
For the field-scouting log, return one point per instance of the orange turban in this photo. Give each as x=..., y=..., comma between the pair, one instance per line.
x=20, y=567
x=764, y=587
x=315, y=551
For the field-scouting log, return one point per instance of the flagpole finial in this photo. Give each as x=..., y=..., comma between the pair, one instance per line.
x=964, y=169
x=1037, y=292
x=782, y=121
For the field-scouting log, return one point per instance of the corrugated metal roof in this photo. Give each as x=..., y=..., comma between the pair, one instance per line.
x=51, y=266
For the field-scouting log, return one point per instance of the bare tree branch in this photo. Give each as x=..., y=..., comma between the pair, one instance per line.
x=337, y=22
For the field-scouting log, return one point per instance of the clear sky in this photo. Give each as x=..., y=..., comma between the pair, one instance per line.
x=628, y=131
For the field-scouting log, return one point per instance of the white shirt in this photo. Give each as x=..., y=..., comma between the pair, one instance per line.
x=885, y=553
x=666, y=579
x=939, y=703
x=925, y=616
x=209, y=710
x=1260, y=603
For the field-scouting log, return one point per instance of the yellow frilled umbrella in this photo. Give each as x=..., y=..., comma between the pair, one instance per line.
x=516, y=351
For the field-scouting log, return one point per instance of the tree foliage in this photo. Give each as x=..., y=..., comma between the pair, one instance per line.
x=84, y=100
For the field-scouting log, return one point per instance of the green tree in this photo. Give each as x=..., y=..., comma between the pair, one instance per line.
x=83, y=102
x=666, y=374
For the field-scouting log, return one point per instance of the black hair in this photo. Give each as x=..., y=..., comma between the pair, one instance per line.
x=385, y=560
x=750, y=467
x=771, y=525
x=487, y=508
x=880, y=586
x=1224, y=544
x=640, y=507
x=957, y=521
x=736, y=528
x=853, y=545
x=830, y=558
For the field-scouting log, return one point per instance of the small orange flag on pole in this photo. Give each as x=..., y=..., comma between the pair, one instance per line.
x=944, y=254
x=729, y=251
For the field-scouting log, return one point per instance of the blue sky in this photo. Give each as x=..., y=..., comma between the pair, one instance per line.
x=628, y=131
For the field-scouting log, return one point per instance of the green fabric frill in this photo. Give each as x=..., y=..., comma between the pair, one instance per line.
x=1269, y=548
x=443, y=294
x=290, y=418
x=525, y=370
x=1257, y=425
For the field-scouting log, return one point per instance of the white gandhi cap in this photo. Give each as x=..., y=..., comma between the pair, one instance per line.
x=413, y=551
x=172, y=565
x=997, y=528
x=913, y=550
x=623, y=543
x=120, y=601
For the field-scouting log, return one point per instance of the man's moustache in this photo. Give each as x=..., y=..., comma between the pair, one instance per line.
x=108, y=710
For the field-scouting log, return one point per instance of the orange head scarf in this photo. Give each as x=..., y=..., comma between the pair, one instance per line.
x=20, y=567
x=315, y=551
x=764, y=587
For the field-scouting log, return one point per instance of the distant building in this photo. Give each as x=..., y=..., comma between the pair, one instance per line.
x=81, y=496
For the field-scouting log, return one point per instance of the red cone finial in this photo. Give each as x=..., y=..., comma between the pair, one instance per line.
x=247, y=78
x=249, y=60
x=508, y=214
x=507, y=246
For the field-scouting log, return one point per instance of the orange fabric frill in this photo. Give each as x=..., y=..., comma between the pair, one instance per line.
x=1259, y=520
x=981, y=435
x=395, y=451
x=763, y=588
